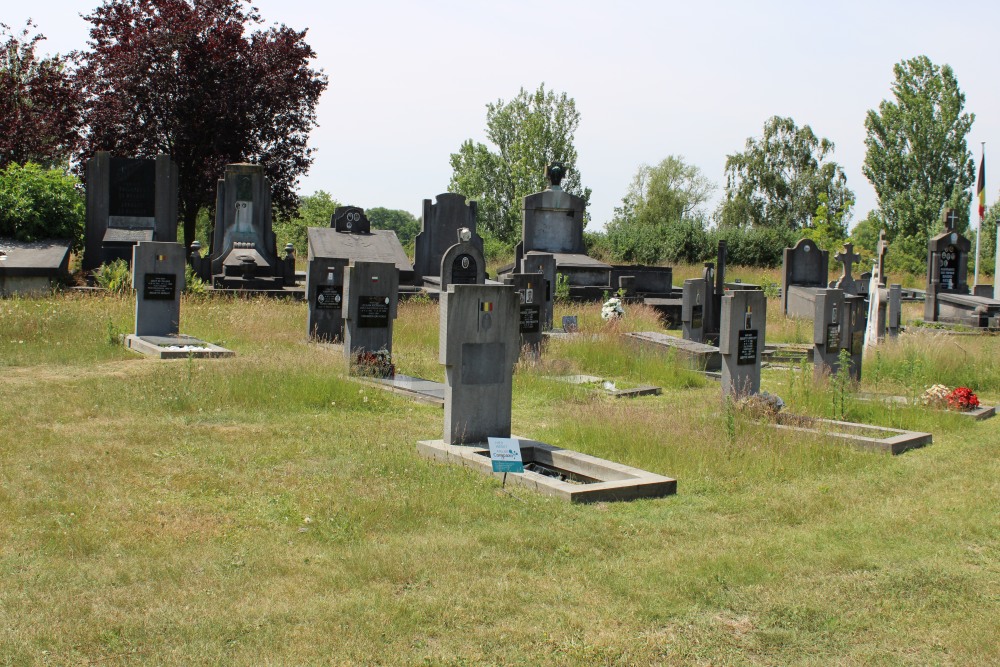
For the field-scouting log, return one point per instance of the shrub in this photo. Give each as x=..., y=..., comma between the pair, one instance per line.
x=38, y=204
x=115, y=277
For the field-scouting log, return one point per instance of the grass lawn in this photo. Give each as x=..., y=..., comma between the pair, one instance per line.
x=266, y=509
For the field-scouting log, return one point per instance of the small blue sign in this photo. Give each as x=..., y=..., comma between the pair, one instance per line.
x=505, y=454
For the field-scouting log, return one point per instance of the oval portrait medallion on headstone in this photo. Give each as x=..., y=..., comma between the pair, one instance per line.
x=465, y=262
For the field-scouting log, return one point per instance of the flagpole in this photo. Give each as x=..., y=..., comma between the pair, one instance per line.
x=979, y=227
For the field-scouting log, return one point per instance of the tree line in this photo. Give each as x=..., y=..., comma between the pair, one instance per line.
x=783, y=185
x=208, y=84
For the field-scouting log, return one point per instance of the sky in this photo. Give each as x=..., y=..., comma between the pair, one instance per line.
x=410, y=81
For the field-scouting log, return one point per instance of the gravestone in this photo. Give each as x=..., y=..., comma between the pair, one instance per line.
x=529, y=292
x=831, y=325
x=895, y=307
x=804, y=272
x=857, y=312
x=440, y=224
x=325, y=295
x=545, y=264
x=463, y=263
x=371, y=295
x=479, y=347
x=35, y=267
x=847, y=258
x=553, y=222
x=351, y=239
x=948, y=297
x=158, y=280
x=741, y=341
x=128, y=201
x=244, y=249
x=696, y=294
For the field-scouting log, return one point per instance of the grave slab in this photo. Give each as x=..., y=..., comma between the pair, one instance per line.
x=602, y=385
x=698, y=356
x=581, y=478
x=417, y=389
x=176, y=346
x=32, y=268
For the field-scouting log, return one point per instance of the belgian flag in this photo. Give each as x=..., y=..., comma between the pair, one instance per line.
x=981, y=188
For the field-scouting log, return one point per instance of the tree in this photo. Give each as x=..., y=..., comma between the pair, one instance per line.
x=187, y=78
x=660, y=217
x=527, y=132
x=39, y=103
x=402, y=222
x=315, y=210
x=917, y=158
x=38, y=204
x=777, y=181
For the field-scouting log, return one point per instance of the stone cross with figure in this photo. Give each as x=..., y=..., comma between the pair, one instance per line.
x=883, y=248
x=847, y=257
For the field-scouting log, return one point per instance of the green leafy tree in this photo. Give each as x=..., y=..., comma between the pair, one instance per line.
x=526, y=133
x=661, y=216
x=314, y=210
x=778, y=179
x=402, y=222
x=38, y=204
x=917, y=157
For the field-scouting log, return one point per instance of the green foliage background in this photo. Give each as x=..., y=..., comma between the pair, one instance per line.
x=38, y=204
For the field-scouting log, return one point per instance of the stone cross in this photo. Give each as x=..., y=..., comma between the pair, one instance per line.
x=847, y=257
x=950, y=219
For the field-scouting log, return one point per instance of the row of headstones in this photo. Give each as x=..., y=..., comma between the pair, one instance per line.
x=356, y=302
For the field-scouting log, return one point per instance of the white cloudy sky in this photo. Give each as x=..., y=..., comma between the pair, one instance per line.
x=409, y=81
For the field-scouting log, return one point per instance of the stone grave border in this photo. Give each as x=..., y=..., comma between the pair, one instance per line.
x=896, y=441
x=615, y=481
x=397, y=384
x=150, y=348
x=981, y=413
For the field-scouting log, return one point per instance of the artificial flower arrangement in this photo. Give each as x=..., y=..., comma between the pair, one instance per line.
x=959, y=398
x=373, y=364
x=612, y=309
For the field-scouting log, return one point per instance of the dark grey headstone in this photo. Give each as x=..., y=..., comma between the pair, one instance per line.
x=741, y=340
x=371, y=295
x=439, y=227
x=803, y=265
x=325, y=295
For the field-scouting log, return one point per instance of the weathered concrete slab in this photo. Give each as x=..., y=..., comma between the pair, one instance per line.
x=418, y=389
x=609, y=387
x=588, y=479
x=27, y=268
x=699, y=356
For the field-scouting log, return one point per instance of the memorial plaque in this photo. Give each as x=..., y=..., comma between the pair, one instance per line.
x=482, y=363
x=464, y=270
x=329, y=297
x=132, y=192
x=159, y=287
x=531, y=319
x=570, y=324
x=949, y=267
x=696, y=317
x=746, y=347
x=832, y=337
x=373, y=312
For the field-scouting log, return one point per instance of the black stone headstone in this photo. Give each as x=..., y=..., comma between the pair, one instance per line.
x=464, y=270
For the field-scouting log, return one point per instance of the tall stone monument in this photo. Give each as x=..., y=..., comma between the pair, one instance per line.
x=128, y=200
x=244, y=248
x=948, y=297
x=440, y=225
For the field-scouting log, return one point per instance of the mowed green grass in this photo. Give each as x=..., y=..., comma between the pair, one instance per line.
x=268, y=510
